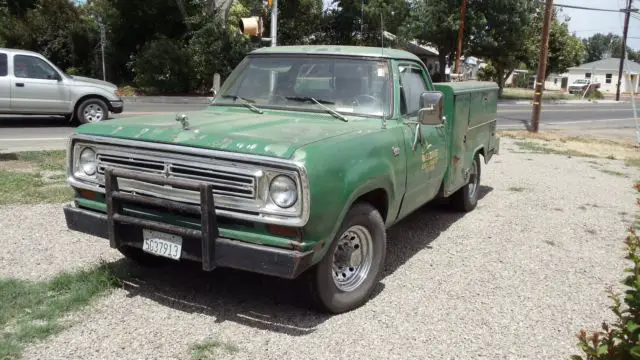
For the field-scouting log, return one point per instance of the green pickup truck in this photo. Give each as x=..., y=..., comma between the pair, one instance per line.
x=302, y=160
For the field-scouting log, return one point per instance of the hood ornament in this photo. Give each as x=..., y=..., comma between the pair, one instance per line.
x=184, y=120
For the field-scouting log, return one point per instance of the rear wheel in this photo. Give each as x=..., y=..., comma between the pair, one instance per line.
x=345, y=278
x=466, y=198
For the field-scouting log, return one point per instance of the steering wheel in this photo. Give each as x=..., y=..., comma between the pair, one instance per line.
x=373, y=99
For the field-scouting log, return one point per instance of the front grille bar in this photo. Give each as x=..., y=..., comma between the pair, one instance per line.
x=115, y=199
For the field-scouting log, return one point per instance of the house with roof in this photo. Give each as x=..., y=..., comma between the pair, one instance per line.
x=605, y=72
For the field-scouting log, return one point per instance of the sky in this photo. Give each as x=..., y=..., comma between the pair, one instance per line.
x=586, y=23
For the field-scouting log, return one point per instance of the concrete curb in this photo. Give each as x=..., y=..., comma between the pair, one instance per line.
x=166, y=99
x=530, y=102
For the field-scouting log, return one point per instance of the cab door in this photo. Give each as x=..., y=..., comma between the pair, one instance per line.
x=425, y=145
x=36, y=87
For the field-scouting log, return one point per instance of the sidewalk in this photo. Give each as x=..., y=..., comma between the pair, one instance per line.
x=167, y=99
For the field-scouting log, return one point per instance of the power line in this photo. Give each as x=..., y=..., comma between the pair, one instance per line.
x=590, y=8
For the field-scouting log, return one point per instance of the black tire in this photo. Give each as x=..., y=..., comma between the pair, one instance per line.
x=140, y=257
x=466, y=198
x=90, y=103
x=324, y=293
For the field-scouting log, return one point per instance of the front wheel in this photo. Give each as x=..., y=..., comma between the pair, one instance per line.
x=345, y=278
x=466, y=199
x=92, y=110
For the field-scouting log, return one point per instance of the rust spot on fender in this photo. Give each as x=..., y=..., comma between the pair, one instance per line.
x=294, y=245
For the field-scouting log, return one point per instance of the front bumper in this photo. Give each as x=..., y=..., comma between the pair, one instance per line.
x=203, y=246
x=116, y=107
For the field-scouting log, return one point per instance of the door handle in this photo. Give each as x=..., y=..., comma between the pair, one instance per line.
x=20, y=84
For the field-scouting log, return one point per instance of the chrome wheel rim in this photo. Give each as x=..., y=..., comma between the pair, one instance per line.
x=473, y=181
x=352, y=258
x=93, y=113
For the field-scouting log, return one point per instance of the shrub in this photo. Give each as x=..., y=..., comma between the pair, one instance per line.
x=619, y=340
x=487, y=73
x=73, y=71
x=594, y=94
x=163, y=66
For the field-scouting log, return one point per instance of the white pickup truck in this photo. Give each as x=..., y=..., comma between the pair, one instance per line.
x=30, y=84
x=579, y=86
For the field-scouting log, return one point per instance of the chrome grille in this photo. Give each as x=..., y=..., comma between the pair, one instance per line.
x=225, y=182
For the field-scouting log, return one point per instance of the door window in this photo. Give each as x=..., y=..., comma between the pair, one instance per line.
x=4, y=69
x=31, y=67
x=412, y=85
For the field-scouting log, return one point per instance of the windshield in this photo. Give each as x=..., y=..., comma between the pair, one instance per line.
x=311, y=83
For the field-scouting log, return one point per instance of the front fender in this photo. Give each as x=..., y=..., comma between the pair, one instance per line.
x=81, y=91
x=342, y=170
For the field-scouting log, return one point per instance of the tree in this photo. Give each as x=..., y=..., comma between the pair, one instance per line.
x=507, y=34
x=565, y=50
x=600, y=46
x=298, y=20
x=436, y=22
x=54, y=28
x=211, y=39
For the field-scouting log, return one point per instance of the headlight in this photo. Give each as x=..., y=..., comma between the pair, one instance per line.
x=283, y=191
x=87, y=161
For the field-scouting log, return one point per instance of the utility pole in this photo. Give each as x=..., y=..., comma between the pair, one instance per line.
x=274, y=23
x=102, y=40
x=463, y=11
x=542, y=67
x=624, y=46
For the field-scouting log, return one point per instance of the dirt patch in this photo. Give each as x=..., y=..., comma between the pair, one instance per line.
x=584, y=145
x=18, y=166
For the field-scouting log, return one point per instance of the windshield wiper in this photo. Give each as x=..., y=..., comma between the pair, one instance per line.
x=246, y=103
x=319, y=102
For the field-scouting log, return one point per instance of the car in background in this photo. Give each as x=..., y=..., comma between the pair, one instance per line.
x=580, y=86
x=30, y=84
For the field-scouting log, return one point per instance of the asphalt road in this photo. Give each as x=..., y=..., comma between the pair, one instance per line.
x=40, y=133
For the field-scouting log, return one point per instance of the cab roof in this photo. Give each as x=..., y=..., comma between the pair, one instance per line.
x=339, y=50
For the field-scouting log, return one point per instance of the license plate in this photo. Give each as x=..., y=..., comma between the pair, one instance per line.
x=161, y=244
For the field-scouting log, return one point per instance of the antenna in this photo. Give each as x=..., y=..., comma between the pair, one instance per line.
x=382, y=31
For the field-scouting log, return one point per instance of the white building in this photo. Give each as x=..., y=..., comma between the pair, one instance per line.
x=558, y=82
x=606, y=73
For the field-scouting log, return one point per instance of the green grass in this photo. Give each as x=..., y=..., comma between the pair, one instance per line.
x=541, y=149
x=33, y=177
x=613, y=172
x=208, y=349
x=635, y=162
x=32, y=311
x=527, y=94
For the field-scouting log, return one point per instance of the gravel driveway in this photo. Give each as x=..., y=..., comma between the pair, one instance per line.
x=515, y=279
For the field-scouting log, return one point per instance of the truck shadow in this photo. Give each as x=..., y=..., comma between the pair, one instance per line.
x=269, y=303
x=418, y=230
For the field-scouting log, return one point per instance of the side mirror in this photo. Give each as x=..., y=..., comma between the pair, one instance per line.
x=431, y=106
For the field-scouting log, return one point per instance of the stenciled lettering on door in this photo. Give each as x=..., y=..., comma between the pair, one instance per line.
x=429, y=157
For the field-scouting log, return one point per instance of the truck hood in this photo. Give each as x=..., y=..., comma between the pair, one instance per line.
x=236, y=130
x=85, y=80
